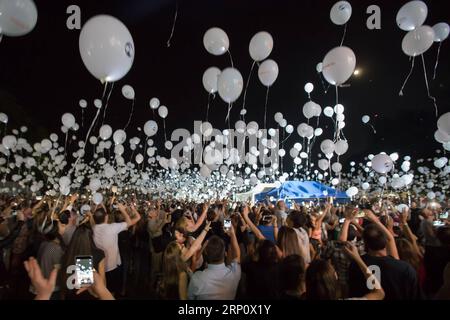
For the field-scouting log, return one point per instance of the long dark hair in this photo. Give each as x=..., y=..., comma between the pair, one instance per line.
x=321, y=281
x=173, y=266
x=81, y=244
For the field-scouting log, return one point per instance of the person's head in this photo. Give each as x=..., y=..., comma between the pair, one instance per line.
x=321, y=281
x=374, y=239
x=180, y=231
x=281, y=205
x=215, y=250
x=292, y=271
x=100, y=216
x=288, y=242
x=443, y=235
x=267, y=253
x=212, y=215
x=407, y=253
x=298, y=219
x=173, y=265
x=4, y=230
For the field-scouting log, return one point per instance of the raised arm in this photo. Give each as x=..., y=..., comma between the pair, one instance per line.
x=391, y=246
x=252, y=226
x=201, y=219
x=197, y=244
x=235, y=250
x=349, y=216
x=407, y=231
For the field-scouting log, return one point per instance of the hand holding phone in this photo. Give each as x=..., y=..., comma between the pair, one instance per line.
x=84, y=272
x=227, y=224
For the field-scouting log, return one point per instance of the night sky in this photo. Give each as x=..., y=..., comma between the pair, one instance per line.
x=42, y=75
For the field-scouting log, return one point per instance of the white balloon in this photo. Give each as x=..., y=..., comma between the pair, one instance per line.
x=119, y=136
x=230, y=85
x=216, y=41
x=341, y=147
x=341, y=12
x=68, y=120
x=365, y=186
x=105, y=132
x=352, y=191
x=365, y=119
x=210, y=78
x=444, y=123
x=163, y=112
x=261, y=46
x=128, y=92
x=441, y=137
x=168, y=145
x=323, y=164
x=318, y=132
x=412, y=15
x=328, y=111
x=9, y=142
x=268, y=72
x=310, y=109
x=418, y=41
x=98, y=103
x=394, y=156
x=327, y=146
x=339, y=109
x=309, y=87
x=106, y=48
x=154, y=103
x=319, y=67
x=441, y=31
x=17, y=17
x=97, y=198
x=339, y=65
x=94, y=184
x=139, y=158
x=336, y=167
x=289, y=129
x=150, y=128
x=83, y=104
x=382, y=163
x=64, y=181
x=278, y=117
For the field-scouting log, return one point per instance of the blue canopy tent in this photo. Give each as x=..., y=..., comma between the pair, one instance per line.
x=303, y=191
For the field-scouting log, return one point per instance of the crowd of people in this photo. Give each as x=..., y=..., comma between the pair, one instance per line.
x=178, y=250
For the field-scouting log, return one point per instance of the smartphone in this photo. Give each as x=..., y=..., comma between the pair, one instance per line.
x=227, y=224
x=38, y=198
x=438, y=223
x=444, y=215
x=341, y=221
x=361, y=214
x=267, y=218
x=84, y=272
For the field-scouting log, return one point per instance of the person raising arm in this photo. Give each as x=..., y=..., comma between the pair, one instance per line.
x=129, y=221
x=391, y=247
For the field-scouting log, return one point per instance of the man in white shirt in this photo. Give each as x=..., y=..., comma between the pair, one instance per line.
x=218, y=281
x=106, y=238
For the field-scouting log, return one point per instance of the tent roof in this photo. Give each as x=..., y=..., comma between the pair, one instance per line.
x=302, y=190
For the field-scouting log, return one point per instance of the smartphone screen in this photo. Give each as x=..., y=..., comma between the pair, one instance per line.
x=341, y=221
x=227, y=224
x=444, y=215
x=84, y=271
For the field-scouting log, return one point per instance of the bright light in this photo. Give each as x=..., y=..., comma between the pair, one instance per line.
x=357, y=72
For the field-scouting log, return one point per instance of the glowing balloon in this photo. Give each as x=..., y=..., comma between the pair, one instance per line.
x=17, y=17
x=441, y=31
x=163, y=112
x=418, y=41
x=341, y=12
x=150, y=128
x=230, y=85
x=382, y=163
x=261, y=46
x=412, y=15
x=210, y=78
x=339, y=65
x=268, y=72
x=106, y=48
x=105, y=132
x=216, y=41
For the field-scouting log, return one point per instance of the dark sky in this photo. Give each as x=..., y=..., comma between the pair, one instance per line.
x=42, y=75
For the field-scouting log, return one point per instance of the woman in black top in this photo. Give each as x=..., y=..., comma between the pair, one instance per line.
x=81, y=244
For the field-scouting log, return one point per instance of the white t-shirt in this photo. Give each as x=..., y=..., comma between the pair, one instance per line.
x=303, y=242
x=106, y=238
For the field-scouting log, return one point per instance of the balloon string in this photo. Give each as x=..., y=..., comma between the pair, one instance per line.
x=231, y=58
x=131, y=115
x=65, y=145
x=107, y=101
x=246, y=87
x=437, y=60
x=428, y=87
x=343, y=36
x=265, y=108
x=173, y=26
x=82, y=119
x=230, y=106
x=286, y=138
x=164, y=124
x=374, y=131
x=407, y=78
x=207, y=106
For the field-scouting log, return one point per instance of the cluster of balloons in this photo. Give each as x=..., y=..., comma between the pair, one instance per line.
x=419, y=38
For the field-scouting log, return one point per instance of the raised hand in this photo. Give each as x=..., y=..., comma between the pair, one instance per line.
x=44, y=287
